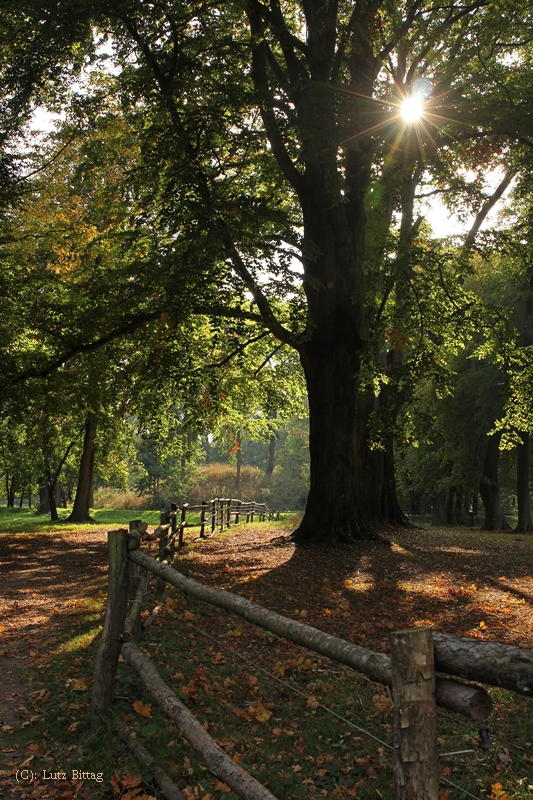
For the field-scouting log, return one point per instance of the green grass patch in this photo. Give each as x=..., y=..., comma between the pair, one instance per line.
x=25, y=520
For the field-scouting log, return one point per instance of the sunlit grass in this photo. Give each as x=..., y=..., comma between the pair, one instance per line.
x=27, y=520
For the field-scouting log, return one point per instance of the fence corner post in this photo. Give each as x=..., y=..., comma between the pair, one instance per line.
x=415, y=759
x=109, y=650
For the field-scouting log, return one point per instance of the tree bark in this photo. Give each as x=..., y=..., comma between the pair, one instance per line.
x=467, y=700
x=213, y=756
x=82, y=501
x=489, y=487
x=487, y=662
x=415, y=757
x=525, y=523
x=332, y=512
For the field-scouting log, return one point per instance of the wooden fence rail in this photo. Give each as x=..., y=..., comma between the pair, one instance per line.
x=416, y=653
x=220, y=512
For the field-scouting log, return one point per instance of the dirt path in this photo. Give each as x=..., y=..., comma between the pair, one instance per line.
x=41, y=579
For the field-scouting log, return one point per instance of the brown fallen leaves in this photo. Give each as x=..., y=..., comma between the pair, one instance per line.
x=128, y=787
x=258, y=711
x=142, y=709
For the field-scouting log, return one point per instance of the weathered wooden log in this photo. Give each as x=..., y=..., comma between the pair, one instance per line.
x=415, y=755
x=487, y=662
x=148, y=621
x=168, y=788
x=471, y=701
x=213, y=756
x=117, y=603
x=132, y=624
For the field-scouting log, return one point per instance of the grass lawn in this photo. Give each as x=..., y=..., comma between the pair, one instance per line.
x=26, y=520
x=304, y=726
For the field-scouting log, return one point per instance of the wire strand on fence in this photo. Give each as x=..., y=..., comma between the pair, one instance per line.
x=253, y=665
x=348, y=722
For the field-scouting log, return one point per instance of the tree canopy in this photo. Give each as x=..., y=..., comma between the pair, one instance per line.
x=245, y=175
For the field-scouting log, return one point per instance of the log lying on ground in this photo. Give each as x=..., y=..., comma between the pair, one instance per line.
x=169, y=790
x=486, y=662
x=212, y=755
x=468, y=700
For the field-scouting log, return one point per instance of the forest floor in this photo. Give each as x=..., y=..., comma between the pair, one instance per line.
x=458, y=580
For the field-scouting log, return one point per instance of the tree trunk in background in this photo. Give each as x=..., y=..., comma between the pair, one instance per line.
x=271, y=450
x=369, y=466
x=458, y=510
x=271, y=455
x=44, y=505
x=450, y=502
x=438, y=514
x=239, y=462
x=51, y=483
x=525, y=523
x=82, y=501
x=10, y=491
x=489, y=487
x=390, y=507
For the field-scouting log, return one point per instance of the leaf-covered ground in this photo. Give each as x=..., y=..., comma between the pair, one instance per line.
x=458, y=580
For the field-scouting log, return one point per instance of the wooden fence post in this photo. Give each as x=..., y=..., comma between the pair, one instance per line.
x=214, y=516
x=163, y=542
x=238, y=504
x=202, y=519
x=137, y=527
x=183, y=520
x=109, y=650
x=415, y=759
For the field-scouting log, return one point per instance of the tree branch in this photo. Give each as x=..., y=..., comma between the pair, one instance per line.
x=485, y=208
x=88, y=347
x=236, y=352
x=271, y=322
x=267, y=359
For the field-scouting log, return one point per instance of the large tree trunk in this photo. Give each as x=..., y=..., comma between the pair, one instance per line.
x=489, y=487
x=525, y=524
x=332, y=512
x=82, y=502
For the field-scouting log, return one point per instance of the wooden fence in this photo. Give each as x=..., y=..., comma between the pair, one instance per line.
x=416, y=654
x=218, y=513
